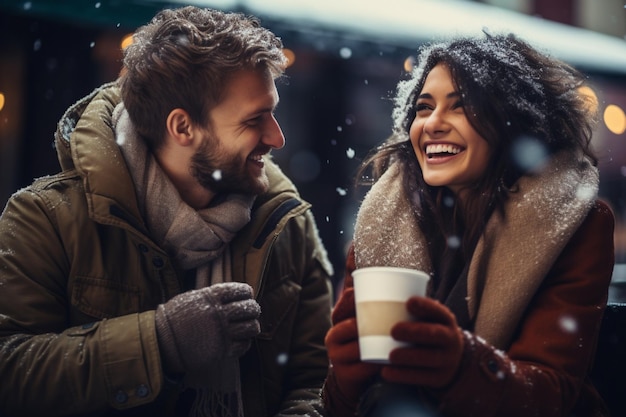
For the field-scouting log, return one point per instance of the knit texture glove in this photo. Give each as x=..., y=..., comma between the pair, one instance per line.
x=436, y=348
x=349, y=377
x=198, y=327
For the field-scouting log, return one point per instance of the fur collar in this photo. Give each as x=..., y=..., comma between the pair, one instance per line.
x=512, y=257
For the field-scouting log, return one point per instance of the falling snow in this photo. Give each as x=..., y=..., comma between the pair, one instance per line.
x=529, y=154
x=454, y=242
x=345, y=53
x=282, y=359
x=568, y=324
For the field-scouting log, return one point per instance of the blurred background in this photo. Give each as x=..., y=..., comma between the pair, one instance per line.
x=346, y=58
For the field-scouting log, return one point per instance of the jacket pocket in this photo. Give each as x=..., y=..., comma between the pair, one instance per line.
x=278, y=304
x=102, y=298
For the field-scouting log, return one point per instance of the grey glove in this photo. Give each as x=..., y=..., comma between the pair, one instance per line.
x=198, y=327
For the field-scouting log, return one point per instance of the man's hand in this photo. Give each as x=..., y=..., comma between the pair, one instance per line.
x=198, y=327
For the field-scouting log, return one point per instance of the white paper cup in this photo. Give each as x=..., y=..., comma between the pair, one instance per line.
x=380, y=294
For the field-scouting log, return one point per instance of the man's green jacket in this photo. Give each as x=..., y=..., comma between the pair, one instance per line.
x=80, y=279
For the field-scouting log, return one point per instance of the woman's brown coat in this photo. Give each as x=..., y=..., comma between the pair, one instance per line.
x=551, y=349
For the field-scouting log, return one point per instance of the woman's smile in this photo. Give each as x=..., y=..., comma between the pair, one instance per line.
x=441, y=152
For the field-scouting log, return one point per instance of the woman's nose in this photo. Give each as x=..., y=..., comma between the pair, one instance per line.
x=435, y=124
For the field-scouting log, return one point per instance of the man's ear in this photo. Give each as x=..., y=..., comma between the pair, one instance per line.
x=179, y=127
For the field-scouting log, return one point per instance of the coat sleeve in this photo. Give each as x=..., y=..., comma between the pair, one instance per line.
x=40, y=351
x=545, y=370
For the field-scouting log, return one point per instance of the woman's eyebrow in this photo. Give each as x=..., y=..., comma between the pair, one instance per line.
x=453, y=94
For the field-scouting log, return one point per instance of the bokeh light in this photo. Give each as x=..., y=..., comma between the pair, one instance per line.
x=305, y=166
x=1, y=101
x=126, y=41
x=291, y=56
x=615, y=119
x=592, y=97
x=409, y=64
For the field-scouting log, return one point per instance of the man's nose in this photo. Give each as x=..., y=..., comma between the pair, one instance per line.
x=273, y=134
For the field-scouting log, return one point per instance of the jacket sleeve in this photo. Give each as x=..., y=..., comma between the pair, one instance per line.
x=40, y=349
x=545, y=370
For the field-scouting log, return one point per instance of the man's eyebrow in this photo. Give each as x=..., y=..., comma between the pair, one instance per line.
x=258, y=113
x=269, y=109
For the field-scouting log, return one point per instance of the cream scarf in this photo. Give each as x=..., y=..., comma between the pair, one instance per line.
x=512, y=257
x=196, y=240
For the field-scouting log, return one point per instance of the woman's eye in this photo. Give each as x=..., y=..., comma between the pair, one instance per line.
x=420, y=107
x=457, y=105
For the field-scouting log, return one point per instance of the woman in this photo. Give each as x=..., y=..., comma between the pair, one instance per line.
x=490, y=185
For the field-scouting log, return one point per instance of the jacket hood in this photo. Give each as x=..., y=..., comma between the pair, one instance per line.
x=107, y=93
x=85, y=142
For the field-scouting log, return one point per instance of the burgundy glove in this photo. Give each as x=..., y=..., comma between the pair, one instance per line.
x=352, y=376
x=436, y=348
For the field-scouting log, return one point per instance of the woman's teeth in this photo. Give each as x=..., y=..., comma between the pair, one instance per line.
x=442, y=148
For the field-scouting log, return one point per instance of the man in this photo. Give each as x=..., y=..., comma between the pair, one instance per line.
x=170, y=268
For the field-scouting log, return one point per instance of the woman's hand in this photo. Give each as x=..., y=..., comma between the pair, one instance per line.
x=342, y=342
x=436, y=348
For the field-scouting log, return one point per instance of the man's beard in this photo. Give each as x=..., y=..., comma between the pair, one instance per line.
x=216, y=172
